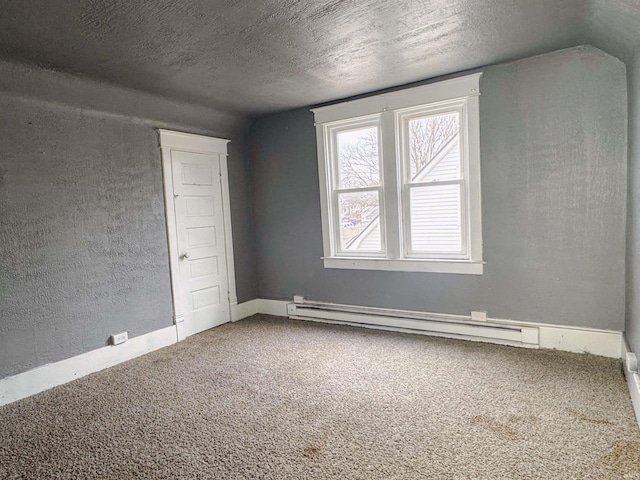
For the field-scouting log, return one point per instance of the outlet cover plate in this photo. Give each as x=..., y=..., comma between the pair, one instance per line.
x=478, y=316
x=118, y=338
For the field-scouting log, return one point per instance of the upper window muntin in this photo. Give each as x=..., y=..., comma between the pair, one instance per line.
x=451, y=240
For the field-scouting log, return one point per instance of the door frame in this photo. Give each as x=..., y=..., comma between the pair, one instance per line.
x=188, y=142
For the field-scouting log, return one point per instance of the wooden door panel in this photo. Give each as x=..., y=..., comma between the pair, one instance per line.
x=200, y=232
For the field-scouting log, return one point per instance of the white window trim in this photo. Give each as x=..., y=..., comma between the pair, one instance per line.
x=391, y=108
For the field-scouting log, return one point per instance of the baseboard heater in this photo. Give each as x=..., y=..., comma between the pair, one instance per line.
x=443, y=325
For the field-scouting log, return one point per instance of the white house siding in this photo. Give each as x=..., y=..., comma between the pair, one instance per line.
x=447, y=168
x=436, y=222
x=435, y=219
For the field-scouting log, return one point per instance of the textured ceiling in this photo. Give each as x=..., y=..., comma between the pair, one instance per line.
x=256, y=57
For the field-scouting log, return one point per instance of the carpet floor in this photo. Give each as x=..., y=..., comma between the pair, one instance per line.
x=272, y=398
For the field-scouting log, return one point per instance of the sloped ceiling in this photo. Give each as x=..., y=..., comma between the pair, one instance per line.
x=257, y=57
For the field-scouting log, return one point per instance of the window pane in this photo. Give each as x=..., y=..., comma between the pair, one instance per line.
x=358, y=160
x=436, y=223
x=359, y=222
x=434, y=148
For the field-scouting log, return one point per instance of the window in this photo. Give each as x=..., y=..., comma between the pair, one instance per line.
x=400, y=180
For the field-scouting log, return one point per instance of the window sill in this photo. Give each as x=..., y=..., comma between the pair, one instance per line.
x=427, y=266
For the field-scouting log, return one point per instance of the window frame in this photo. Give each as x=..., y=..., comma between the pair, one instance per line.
x=392, y=112
x=403, y=117
x=334, y=184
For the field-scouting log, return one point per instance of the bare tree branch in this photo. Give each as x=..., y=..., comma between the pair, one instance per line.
x=359, y=162
x=427, y=136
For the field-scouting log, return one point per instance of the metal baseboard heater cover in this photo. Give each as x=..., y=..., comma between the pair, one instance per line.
x=453, y=326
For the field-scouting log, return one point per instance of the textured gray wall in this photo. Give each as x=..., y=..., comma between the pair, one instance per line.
x=633, y=224
x=240, y=191
x=83, y=249
x=614, y=28
x=553, y=137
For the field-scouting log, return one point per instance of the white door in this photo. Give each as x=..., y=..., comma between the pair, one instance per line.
x=197, y=192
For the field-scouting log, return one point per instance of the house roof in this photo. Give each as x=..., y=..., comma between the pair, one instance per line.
x=441, y=153
x=258, y=57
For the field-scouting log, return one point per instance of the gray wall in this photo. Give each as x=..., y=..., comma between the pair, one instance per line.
x=633, y=225
x=83, y=249
x=614, y=28
x=240, y=191
x=553, y=139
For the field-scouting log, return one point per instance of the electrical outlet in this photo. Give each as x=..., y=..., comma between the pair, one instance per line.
x=478, y=316
x=119, y=338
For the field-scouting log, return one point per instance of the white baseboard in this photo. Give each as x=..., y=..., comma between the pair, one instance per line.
x=245, y=309
x=273, y=307
x=48, y=376
x=632, y=374
x=606, y=343
x=51, y=375
x=573, y=339
x=259, y=305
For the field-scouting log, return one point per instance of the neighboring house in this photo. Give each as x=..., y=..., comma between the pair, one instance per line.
x=433, y=228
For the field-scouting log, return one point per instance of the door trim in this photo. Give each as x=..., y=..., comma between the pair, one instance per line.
x=188, y=142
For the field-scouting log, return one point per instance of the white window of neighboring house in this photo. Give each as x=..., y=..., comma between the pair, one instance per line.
x=400, y=180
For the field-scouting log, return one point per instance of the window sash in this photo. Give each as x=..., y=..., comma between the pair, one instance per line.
x=338, y=224
x=410, y=252
x=403, y=118
x=332, y=131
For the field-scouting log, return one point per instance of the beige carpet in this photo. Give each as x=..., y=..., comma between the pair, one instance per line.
x=279, y=399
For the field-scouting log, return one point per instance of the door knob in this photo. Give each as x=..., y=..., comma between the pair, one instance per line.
x=185, y=255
